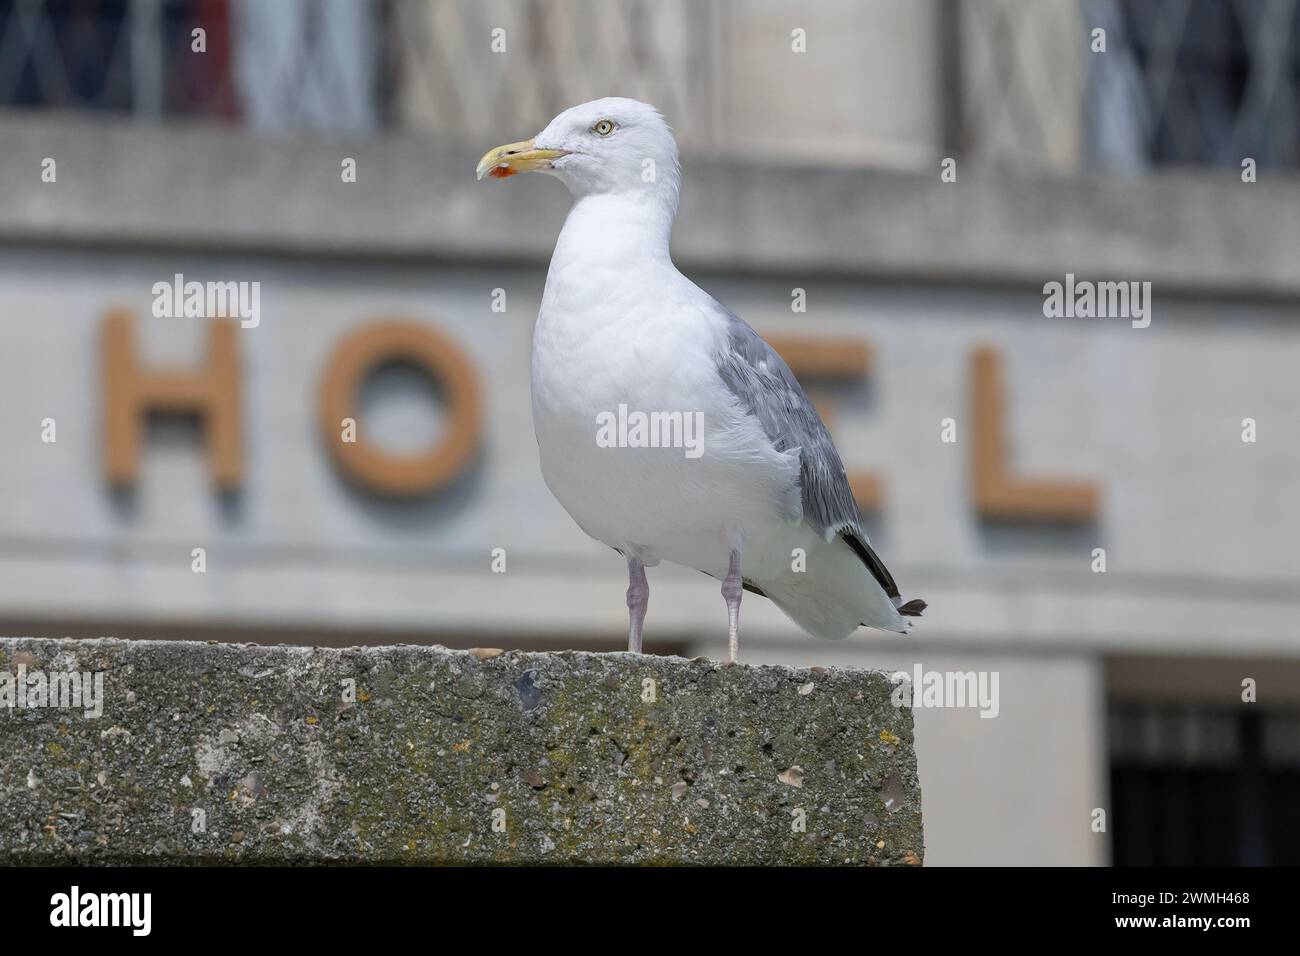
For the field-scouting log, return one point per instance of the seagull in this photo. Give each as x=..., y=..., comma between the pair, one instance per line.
x=666, y=426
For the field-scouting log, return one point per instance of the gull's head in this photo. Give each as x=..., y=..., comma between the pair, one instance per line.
x=613, y=145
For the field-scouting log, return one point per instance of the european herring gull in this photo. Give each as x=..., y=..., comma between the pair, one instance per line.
x=667, y=427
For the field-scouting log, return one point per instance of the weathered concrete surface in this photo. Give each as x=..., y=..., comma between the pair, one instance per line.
x=223, y=753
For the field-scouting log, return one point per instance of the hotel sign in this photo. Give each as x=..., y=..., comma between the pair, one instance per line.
x=212, y=393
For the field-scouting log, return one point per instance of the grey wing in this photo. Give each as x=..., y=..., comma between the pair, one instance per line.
x=764, y=384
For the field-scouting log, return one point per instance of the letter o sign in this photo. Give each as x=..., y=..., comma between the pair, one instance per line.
x=424, y=346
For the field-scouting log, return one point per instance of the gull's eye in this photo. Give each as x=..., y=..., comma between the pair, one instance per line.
x=603, y=128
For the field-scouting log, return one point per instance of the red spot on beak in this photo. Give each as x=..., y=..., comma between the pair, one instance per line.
x=501, y=172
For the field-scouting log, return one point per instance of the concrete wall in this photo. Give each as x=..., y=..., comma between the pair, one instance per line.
x=206, y=188
x=226, y=753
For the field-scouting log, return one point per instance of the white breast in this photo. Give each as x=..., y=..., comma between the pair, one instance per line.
x=642, y=338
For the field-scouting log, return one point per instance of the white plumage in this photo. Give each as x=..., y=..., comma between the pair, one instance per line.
x=619, y=326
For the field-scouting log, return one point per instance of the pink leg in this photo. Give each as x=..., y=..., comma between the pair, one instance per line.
x=638, y=598
x=732, y=589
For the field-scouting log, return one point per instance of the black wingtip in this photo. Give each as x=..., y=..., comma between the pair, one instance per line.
x=912, y=608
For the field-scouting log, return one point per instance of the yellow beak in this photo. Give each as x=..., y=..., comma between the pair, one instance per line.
x=516, y=158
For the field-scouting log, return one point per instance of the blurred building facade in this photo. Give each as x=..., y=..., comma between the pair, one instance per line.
x=885, y=188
